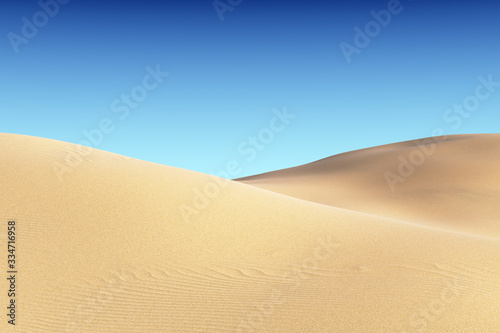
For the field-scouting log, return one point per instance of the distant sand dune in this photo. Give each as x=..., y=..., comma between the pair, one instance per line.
x=456, y=187
x=107, y=249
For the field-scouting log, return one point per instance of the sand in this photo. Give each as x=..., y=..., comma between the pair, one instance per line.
x=448, y=182
x=115, y=244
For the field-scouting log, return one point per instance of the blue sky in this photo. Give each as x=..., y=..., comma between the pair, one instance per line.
x=227, y=79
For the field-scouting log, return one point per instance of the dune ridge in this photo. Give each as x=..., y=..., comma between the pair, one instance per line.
x=107, y=250
x=457, y=185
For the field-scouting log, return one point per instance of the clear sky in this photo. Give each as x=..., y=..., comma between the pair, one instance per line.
x=349, y=74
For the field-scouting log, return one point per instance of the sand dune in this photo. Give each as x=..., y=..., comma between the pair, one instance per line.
x=116, y=244
x=450, y=182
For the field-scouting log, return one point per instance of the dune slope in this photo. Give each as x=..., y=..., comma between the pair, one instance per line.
x=115, y=244
x=450, y=182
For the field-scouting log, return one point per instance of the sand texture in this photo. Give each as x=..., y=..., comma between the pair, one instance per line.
x=116, y=244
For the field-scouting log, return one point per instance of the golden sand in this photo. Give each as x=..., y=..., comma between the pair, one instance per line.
x=115, y=244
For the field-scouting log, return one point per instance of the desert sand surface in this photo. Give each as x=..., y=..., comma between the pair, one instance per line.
x=448, y=182
x=116, y=244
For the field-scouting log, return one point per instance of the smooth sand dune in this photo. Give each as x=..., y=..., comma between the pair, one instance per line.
x=110, y=248
x=449, y=182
